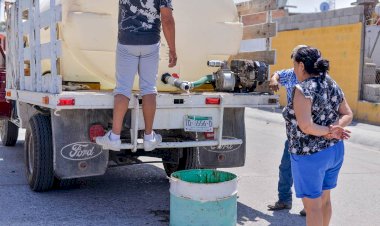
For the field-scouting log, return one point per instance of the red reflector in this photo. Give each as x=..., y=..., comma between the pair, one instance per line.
x=45, y=100
x=209, y=135
x=210, y=100
x=96, y=131
x=66, y=102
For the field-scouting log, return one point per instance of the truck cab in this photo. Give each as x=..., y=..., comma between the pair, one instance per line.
x=8, y=130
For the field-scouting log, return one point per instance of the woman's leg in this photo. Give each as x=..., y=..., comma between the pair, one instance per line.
x=331, y=179
x=326, y=207
x=314, y=211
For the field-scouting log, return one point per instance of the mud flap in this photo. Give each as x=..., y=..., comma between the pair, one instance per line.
x=75, y=155
x=230, y=155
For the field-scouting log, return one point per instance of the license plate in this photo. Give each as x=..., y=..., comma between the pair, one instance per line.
x=198, y=124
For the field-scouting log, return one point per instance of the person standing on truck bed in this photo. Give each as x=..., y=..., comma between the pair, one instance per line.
x=288, y=79
x=138, y=52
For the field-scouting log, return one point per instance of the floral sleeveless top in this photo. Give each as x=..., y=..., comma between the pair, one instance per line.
x=326, y=97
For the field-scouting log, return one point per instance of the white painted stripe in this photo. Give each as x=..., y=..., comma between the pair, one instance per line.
x=203, y=192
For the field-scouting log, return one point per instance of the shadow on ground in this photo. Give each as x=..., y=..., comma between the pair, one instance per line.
x=132, y=195
x=248, y=215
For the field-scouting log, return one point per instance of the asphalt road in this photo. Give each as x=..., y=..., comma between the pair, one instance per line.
x=139, y=195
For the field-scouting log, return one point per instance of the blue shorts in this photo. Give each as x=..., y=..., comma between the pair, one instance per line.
x=313, y=174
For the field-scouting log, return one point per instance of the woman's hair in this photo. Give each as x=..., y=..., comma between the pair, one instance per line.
x=313, y=61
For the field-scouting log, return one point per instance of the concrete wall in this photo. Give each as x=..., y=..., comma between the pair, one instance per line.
x=370, y=41
x=338, y=34
x=316, y=20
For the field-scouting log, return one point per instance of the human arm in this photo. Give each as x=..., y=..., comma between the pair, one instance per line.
x=285, y=78
x=168, y=26
x=274, y=82
x=345, y=118
x=345, y=113
x=302, y=109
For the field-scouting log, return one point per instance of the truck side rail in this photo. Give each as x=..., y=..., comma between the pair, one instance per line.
x=25, y=21
x=104, y=100
x=171, y=108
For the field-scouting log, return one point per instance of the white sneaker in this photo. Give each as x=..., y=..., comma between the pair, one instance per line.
x=150, y=145
x=107, y=143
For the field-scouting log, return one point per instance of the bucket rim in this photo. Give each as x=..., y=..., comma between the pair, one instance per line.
x=204, y=192
x=173, y=178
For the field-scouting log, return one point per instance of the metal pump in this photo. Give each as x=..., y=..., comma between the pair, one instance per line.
x=241, y=77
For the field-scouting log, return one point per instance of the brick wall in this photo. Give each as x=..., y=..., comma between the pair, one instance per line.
x=259, y=18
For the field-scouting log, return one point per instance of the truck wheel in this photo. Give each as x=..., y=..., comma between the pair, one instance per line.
x=8, y=132
x=39, y=154
x=188, y=161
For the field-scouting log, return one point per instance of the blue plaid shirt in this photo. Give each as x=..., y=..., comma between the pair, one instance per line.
x=288, y=79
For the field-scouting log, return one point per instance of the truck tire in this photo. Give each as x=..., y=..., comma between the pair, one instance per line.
x=39, y=154
x=188, y=161
x=8, y=132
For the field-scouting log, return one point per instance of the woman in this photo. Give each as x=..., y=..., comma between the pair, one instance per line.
x=315, y=121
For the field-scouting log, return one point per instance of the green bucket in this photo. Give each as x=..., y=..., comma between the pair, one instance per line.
x=203, y=197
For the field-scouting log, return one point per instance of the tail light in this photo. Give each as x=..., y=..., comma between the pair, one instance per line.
x=66, y=102
x=96, y=131
x=212, y=100
x=209, y=135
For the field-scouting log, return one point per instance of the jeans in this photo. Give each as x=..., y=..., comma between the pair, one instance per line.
x=285, y=182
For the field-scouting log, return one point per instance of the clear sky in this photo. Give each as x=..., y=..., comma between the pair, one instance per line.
x=312, y=5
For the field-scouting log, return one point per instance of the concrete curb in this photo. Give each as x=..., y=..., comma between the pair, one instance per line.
x=363, y=134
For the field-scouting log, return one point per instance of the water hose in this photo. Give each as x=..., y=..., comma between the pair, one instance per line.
x=185, y=85
x=202, y=81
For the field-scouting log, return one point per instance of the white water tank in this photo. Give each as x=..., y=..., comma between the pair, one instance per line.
x=205, y=30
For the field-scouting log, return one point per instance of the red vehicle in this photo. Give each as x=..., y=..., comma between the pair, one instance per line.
x=8, y=130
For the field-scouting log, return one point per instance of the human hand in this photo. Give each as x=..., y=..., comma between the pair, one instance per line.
x=172, y=58
x=338, y=132
x=273, y=85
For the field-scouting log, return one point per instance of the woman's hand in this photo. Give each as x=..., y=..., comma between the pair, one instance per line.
x=338, y=132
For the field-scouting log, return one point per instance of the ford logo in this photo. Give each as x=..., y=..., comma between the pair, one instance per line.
x=81, y=151
x=225, y=148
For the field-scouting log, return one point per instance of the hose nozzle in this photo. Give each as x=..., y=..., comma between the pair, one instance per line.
x=183, y=85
